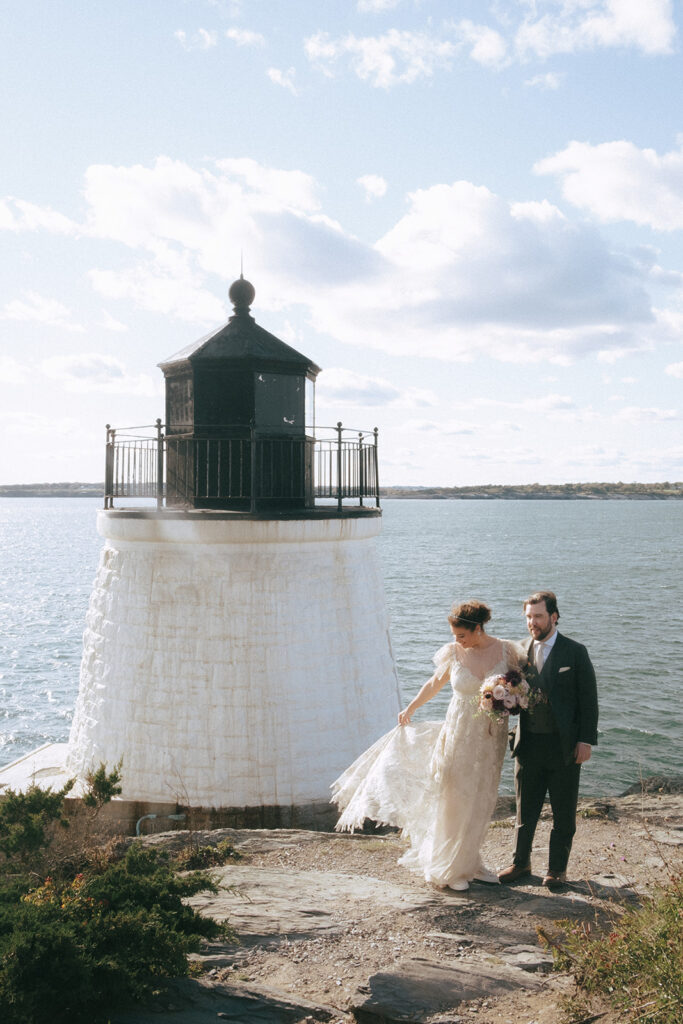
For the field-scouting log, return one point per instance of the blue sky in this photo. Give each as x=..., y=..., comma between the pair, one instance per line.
x=470, y=214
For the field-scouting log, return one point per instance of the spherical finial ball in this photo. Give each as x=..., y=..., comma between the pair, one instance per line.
x=241, y=294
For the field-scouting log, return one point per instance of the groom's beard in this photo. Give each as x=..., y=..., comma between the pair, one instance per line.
x=541, y=636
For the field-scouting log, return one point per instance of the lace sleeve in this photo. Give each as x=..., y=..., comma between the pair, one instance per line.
x=515, y=654
x=445, y=658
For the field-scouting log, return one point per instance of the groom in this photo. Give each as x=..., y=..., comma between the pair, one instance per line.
x=552, y=740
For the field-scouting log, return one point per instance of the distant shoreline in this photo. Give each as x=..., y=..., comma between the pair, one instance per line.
x=666, y=491
x=62, y=490
x=549, y=492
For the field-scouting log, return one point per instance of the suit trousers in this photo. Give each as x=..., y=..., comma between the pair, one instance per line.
x=540, y=768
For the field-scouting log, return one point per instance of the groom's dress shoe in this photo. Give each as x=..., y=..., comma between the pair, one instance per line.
x=555, y=879
x=514, y=873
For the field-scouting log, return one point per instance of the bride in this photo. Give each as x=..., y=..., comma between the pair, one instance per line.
x=437, y=781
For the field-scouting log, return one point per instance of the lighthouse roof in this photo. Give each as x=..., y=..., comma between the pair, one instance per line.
x=243, y=342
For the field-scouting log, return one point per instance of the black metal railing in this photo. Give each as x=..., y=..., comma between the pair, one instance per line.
x=236, y=467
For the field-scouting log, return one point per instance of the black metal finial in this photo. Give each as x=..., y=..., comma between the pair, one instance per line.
x=241, y=295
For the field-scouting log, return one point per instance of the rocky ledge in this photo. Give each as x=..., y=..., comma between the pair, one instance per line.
x=332, y=929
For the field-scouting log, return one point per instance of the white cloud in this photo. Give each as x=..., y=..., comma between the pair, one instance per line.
x=552, y=406
x=245, y=37
x=167, y=284
x=337, y=386
x=203, y=39
x=574, y=25
x=109, y=323
x=638, y=414
x=460, y=274
x=31, y=423
x=558, y=290
x=487, y=47
x=549, y=81
x=398, y=57
x=373, y=185
x=617, y=181
x=37, y=309
x=450, y=428
x=90, y=372
x=12, y=371
x=548, y=27
x=285, y=79
x=271, y=187
x=675, y=370
x=375, y=6
x=18, y=215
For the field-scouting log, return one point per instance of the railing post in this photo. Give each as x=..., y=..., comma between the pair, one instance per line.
x=252, y=441
x=376, y=432
x=361, y=474
x=109, y=469
x=160, y=465
x=339, y=466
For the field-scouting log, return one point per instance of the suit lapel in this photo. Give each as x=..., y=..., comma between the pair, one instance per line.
x=553, y=661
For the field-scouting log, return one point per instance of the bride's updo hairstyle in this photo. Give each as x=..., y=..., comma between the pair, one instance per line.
x=469, y=615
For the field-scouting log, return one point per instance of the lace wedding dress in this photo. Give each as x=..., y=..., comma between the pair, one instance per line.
x=437, y=781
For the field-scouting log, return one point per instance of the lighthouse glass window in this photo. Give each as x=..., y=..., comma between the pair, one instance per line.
x=279, y=402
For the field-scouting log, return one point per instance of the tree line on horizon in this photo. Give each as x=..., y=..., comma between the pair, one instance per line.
x=664, y=490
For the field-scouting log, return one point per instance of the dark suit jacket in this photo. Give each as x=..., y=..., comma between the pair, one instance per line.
x=573, y=696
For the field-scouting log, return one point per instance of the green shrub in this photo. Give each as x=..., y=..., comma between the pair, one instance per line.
x=73, y=948
x=103, y=786
x=638, y=962
x=194, y=857
x=26, y=820
x=70, y=952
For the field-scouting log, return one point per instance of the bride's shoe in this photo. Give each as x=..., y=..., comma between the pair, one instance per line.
x=487, y=876
x=459, y=886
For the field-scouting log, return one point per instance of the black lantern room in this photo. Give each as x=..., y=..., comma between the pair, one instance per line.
x=237, y=403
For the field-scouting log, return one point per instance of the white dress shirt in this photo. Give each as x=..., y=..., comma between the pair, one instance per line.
x=542, y=649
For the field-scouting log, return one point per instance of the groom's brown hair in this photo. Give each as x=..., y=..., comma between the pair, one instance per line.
x=548, y=598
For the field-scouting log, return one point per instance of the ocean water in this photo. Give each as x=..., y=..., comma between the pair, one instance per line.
x=616, y=567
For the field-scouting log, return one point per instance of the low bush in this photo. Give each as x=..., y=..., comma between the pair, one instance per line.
x=73, y=951
x=75, y=947
x=28, y=821
x=637, y=962
x=199, y=857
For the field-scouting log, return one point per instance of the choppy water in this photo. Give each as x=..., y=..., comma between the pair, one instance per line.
x=615, y=566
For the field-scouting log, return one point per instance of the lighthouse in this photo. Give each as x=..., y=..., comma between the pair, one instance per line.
x=236, y=655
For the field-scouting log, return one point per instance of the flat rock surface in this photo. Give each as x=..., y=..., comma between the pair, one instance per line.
x=332, y=929
x=421, y=986
x=270, y=902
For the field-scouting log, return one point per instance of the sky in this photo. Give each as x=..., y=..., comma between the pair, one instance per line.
x=468, y=213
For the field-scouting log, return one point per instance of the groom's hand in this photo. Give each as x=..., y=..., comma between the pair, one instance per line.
x=582, y=753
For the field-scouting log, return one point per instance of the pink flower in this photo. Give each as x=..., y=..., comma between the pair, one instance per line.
x=499, y=692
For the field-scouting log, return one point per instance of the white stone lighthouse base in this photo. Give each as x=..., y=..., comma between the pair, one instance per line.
x=233, y=662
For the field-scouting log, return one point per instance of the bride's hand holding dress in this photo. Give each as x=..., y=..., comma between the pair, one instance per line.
x=429, y=690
